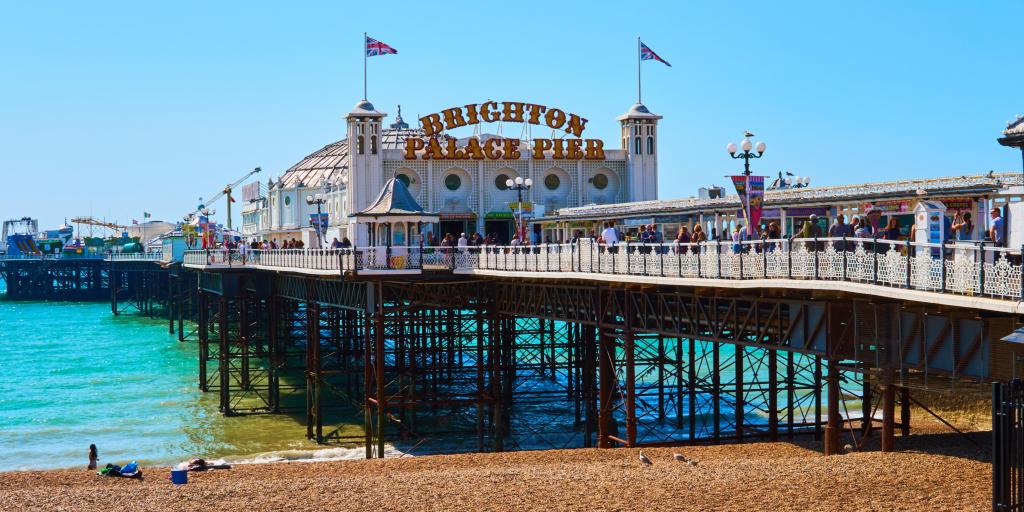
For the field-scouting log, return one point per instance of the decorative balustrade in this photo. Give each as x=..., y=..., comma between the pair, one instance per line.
x=973, y=269
x=134, y=256
x=381, y=258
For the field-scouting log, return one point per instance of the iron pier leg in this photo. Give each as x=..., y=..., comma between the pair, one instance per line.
x=835, y=422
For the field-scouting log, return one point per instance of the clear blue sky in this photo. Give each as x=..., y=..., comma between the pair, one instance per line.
x=116, y=108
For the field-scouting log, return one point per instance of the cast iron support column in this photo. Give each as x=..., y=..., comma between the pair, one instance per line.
x=204, y=338
x=904, y=412
x=629, y=347
x=888, y=412
x=224, y=366
x=835, y=422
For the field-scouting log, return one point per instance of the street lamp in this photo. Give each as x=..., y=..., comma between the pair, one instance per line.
x=318, y=200
x=519, y=185
x=746, y=155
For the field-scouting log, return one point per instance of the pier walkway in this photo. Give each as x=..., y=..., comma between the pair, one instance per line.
x=964, y=275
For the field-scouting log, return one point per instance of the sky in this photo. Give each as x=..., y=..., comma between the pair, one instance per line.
x=118, y=108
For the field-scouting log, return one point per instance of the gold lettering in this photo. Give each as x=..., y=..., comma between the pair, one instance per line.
x=490, y=151
x=539, y=147
x=535, y=112
x=431, y=124
x=473, y=150
x=472, y=115
x=434, y=150
x=576, y=125
x=512, y=112
x=488, y=112
x=512, y=149
x=554, y=118
x=573, y=149
x=412, y=145
x=557, y=152
x=451, y=151
x=453, y=118
x=595, y=149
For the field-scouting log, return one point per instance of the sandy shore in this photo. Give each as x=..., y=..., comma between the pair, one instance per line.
x=932, y=472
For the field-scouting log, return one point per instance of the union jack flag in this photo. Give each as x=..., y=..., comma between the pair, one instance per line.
x=375, y=48
x=648, y=54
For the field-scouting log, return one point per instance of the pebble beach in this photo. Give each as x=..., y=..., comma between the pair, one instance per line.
x=936, y=471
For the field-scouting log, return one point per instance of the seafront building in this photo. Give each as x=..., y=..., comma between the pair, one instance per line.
x=877, y=202
x=467, y=194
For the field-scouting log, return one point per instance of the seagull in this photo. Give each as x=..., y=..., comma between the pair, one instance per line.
x=691, y=462
x=680, y=457
x=847, y=448
x=644, y=460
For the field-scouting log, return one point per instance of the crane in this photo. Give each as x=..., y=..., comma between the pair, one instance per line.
x=225, y=192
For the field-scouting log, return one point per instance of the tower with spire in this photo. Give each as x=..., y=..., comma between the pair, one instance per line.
x=640, y=143
x=365, y=175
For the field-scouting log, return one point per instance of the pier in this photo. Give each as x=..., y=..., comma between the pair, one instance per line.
x=632, y=345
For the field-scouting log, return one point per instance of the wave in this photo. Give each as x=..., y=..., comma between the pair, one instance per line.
x=311, y=455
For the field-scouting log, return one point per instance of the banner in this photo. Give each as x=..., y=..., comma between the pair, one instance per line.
x=755, y=187
x=323, y=221
x=751, y=192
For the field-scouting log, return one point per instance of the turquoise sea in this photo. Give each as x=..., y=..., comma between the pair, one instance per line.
x=72, y=374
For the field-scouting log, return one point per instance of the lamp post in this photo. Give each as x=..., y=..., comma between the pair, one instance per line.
x=746, y=155
x=318, y=200
x=208, y=238
x=519, y=185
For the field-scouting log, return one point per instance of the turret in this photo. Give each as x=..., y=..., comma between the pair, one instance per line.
x=640, y=141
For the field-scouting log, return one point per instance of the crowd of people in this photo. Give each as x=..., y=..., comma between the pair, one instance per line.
x=649, y=239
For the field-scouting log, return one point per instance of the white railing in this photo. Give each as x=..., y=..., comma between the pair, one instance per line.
x=134, y=256
x=965, y=268
x=380, y=258
x=960, y=268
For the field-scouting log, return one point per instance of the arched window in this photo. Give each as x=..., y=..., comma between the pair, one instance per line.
x=373, y=144
x=650, y=145
x=359, y=145
x=637, y=146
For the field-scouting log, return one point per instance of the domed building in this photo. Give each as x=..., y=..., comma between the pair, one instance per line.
x=467, y=195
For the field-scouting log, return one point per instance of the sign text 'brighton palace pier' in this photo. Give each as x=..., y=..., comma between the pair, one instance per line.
x=435, y=146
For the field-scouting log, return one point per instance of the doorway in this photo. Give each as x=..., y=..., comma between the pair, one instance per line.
x=501, y=228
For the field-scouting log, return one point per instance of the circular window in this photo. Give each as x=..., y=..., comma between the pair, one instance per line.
x=500, y=182
x=453, y=182
x=552, y=182
x=600, y=181
x=287, y=200
x=404, y=178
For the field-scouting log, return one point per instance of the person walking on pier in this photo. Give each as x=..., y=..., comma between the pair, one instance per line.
x=996, y=231
x=682, y=241
x=963, y=226
x=610, y=237
x=840, y=229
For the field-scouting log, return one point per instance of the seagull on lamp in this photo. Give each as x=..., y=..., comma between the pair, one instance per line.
x=644, y=460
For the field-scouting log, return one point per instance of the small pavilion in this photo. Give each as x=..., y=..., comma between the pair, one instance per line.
x=395, y=219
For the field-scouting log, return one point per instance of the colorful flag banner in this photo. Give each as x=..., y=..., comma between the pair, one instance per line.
x=755, y=203
x=648, y=54
x=751, y=192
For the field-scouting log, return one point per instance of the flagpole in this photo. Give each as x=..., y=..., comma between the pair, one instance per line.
x=638, y=69
x=364, y=66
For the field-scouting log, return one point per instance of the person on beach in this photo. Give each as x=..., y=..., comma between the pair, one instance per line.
x=94, y=456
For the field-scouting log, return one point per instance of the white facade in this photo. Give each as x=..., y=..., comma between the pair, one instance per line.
x=468, y=195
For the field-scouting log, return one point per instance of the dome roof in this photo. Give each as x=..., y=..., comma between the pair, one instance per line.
x=331, y=162
x=365, y=108
x=638, y=110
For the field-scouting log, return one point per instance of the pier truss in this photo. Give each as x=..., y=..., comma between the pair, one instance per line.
x=447, y=363
x=141, y=287
x=56, y=279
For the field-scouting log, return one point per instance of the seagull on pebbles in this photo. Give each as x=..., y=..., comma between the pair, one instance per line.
x=680, y=457
x=644, y=460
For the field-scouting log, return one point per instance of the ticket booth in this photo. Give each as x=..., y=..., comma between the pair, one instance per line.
x=930, y=222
